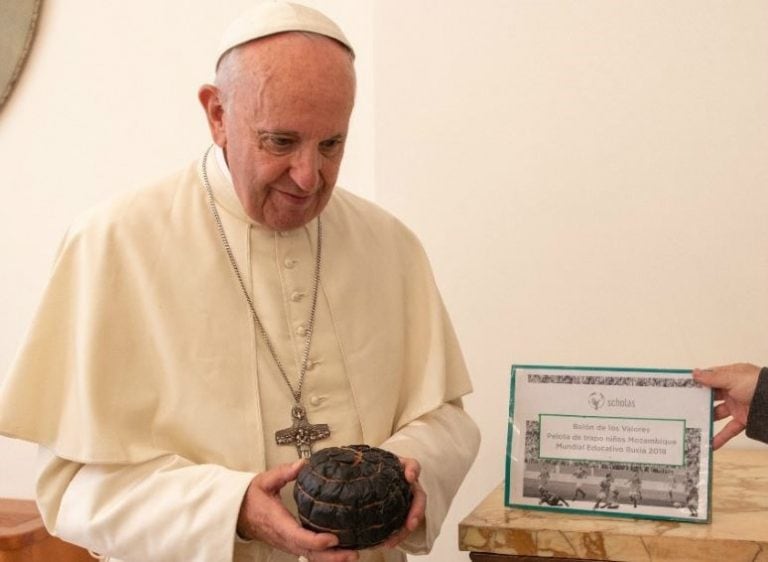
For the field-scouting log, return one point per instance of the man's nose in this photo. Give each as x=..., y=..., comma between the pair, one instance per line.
x=305, y=169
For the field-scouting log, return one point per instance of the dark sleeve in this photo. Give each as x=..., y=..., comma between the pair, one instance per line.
x=757, y=420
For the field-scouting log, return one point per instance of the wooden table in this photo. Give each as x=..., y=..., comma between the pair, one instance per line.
x=24, y=539
x=738, y=531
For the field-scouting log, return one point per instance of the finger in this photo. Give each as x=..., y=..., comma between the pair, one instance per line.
x=722, y=411
x=727, y=369
x=734, y=370
x=411, y=469
x=275, y=478
x=307, y=541
x=731, y=430
x=418, y=507
x=716, y=377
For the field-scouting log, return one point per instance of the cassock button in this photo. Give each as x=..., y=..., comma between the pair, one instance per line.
x=301, y=330
x=317, y=400
x=289, y=263
x=311, y=365
x=296, y=296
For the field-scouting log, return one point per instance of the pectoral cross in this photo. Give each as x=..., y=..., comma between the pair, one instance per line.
x=302, y=433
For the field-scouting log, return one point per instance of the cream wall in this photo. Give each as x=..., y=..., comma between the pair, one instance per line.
x=589, y=178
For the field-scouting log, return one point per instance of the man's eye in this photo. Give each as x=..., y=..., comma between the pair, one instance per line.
x=330, y=146
x=277, y=144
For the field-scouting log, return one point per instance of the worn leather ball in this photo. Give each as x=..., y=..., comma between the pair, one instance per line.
x=358, y=493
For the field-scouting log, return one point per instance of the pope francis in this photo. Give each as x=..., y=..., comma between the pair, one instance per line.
x=199, y=337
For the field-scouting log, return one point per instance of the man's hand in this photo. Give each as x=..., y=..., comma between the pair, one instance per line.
x=734, y=387
x=263, y=517
x=415, y=516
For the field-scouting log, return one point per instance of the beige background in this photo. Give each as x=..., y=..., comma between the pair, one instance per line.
x=589, y=178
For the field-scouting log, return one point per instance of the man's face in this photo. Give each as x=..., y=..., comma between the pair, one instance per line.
x=284, y=121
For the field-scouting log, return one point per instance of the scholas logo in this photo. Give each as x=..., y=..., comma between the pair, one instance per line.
x=597, y=400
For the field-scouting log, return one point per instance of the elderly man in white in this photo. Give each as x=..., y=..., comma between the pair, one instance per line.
x=200, y=335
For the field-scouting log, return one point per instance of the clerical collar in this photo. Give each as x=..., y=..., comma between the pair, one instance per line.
x=221, y=160
x=224, y=189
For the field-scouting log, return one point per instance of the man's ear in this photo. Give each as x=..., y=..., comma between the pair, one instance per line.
x=210, y=98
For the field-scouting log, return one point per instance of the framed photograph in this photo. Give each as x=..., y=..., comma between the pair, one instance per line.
x=609, y=441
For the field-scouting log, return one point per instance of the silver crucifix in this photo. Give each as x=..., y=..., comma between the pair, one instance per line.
x=302, y=433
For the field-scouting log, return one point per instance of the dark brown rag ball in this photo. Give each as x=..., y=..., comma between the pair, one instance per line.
x=358, y=493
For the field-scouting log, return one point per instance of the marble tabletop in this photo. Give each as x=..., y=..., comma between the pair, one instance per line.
x=738, y=530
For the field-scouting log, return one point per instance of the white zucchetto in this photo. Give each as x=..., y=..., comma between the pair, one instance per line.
x=272, y=17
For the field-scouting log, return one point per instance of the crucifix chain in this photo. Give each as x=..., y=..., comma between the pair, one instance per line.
x=301, y=433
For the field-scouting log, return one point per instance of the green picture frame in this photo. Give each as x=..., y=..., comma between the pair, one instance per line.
x=609, y=441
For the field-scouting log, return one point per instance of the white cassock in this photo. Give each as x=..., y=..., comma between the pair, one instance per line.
x=155, y=401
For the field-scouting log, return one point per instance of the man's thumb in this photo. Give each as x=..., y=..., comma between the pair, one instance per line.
x=280, y=475
x=712, y=378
